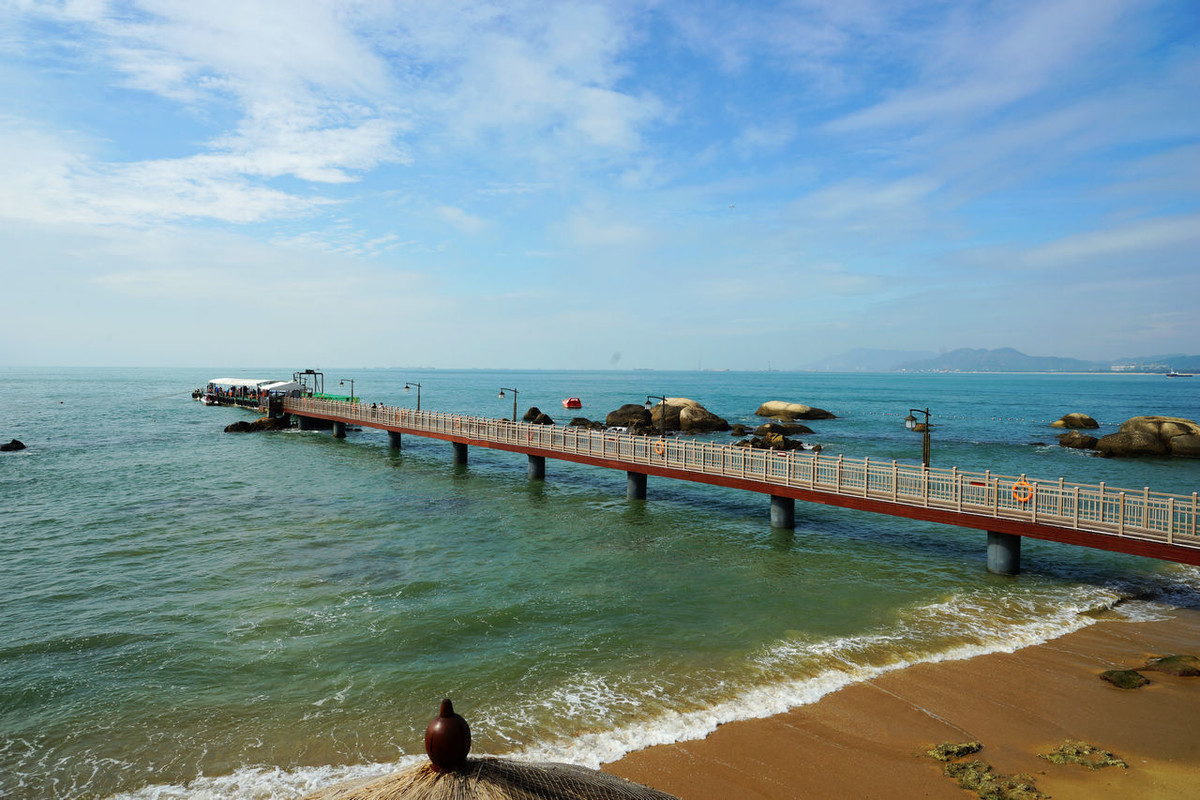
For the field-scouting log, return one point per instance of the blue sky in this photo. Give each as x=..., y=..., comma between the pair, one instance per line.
x=595, y=185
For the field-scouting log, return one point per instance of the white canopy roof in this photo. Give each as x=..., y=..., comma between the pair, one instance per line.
x=280, y=386
x=248, y=382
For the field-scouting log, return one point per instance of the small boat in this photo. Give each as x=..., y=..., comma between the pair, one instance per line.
x=1174, y=374
x=209, y=399
x=572, y=402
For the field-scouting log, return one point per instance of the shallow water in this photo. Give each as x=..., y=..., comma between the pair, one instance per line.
x=190, y=613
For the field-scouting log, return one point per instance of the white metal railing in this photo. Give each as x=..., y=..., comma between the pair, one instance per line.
x=1141, y=514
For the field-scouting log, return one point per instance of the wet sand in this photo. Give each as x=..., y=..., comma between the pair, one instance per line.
x=869, y=740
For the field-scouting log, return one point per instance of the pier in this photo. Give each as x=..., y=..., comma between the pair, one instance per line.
x=1008, y=508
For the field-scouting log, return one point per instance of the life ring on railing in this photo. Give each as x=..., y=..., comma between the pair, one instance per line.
x=1022, y=492
x=458, y=423
x=529, y=435
x=660, y=447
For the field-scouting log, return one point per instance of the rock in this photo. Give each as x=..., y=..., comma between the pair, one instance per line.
x=790, y=429
x=1077, y=440
x=698, y=419
x=1124, y=678
x=1179, y=666
x=1152, y=436
x=772, y=441
x=587, y=424
x=542, y=419
x=12, y=446
x=778, y=409
x=260, y=424
x=532, y=414
x=627, y=415
x=949, y=751
x=1075, y=420
x=241, y=426
x=738, y=430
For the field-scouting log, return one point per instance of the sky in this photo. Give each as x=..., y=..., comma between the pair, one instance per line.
x=645, y=184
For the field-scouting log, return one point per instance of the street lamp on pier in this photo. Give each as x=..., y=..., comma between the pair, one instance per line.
x=408, y=386
x=662, y=422
x=911, y=423
x=504, y=389
x=343, y=383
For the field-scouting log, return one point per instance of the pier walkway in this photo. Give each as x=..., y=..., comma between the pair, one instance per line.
x=1137, y=522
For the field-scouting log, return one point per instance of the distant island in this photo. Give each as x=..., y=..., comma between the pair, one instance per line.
x=1004, y=359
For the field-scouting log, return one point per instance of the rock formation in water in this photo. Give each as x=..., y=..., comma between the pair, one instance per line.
x=778, y=409
x=1075, y=420
x=1152, y=436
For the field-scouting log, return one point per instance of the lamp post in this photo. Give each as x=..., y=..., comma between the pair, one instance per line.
x=911, y=423
x=407, y=386
x=343, y=383
x=504, y=389
x=662, y=422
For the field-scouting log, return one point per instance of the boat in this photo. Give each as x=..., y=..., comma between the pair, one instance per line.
x=572, y=402
x=209, y=399
x=1174, y=374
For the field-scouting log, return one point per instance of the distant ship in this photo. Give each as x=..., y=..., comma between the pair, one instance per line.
x=1174, y=374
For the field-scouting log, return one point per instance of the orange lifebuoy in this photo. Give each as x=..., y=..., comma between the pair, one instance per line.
x=660, y=447
x=1022, y=492
x=458, y=422
x=529, y=435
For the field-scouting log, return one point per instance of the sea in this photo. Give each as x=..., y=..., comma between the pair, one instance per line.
x=189, y=613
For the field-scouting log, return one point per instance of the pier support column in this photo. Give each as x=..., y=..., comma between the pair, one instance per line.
x=1003, y=553
x=635, y=485
x=783, y=512
x=537, y=468
x=394, y=440
x=339, y=430
x=304, y=423
x=460, y=452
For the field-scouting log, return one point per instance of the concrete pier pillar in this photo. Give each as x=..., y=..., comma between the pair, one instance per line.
x=394, y=440
x=1003, y=553
x=537, y=468
x=460, y=452
x=635, y=485
x=339, y=430
x=304, y=423
x=783, y=512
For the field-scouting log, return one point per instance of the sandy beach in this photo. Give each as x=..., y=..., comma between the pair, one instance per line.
x=869, y=740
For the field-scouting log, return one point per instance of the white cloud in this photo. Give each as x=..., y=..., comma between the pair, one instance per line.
x=464, y=221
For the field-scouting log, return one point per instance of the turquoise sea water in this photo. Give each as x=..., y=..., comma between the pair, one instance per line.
x=190, y=613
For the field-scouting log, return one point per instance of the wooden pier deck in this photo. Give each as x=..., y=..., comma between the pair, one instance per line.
x=1136, y=522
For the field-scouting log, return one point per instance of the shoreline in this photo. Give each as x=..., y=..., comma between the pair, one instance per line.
x=869, y=739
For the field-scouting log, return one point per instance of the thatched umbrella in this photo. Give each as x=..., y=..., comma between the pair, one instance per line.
x=450, y=775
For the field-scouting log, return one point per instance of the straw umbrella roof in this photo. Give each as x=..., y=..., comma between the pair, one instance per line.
x=450, y=775
x=495, y=779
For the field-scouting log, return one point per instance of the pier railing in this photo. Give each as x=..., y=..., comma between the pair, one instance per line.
x=1141, y=514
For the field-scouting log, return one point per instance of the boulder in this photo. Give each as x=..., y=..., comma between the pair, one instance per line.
x=777, y=409
x=587, y=424
x=738, y=430
x=12, y=446
x=1077, y=440
x=627, y=415
x=542, y=419
x=1075, y=420
x=1152, y=436
x=698, y=419
x=260, y=424
x=532, y=414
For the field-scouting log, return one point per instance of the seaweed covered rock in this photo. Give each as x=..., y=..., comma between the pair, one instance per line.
x=1181, y=666
x=260, y=424
x=12, y=446
x=949, y=751
x=1124, y=678
x=1084, y=754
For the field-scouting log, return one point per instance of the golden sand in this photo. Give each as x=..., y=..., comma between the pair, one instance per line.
x=870, y=740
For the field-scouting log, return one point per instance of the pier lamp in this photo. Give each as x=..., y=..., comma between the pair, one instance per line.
x=407, y=386
x=504, y=389
x=343, y=383
x=911, y=423
x=662, y=422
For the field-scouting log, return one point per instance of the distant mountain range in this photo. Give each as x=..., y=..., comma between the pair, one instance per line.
x=1004, y=359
